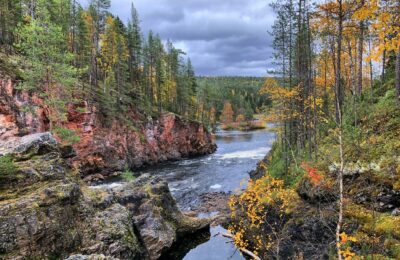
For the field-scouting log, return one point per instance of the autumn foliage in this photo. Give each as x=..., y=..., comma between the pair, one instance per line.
x=258, y=213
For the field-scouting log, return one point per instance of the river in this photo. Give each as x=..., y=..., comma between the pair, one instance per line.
x=224, y=171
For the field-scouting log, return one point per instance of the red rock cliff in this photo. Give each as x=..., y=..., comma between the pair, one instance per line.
x=105, y=148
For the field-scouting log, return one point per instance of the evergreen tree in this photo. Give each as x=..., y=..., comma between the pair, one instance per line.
x=135, y=52
x=48, y=61
x=10, y=16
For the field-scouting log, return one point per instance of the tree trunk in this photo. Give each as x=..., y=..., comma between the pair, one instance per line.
x=398, y=74
x=370, y=70
x=339, y=101
x=383, y=67
x=338, y=84
x=360, y=58
x=360, y=55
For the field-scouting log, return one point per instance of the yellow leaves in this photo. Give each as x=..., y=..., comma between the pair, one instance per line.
x=319, y=102
x=227, y=113
x=344, y=238
x=367, y=11
x=251, y=209
x=345, y=248
x=347, y=254
x=384, y=25
x=113, y=45
x=272, y=88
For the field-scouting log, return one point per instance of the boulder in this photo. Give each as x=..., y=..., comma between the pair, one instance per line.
x=29, y=145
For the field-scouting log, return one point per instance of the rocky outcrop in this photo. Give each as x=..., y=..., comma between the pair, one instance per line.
x=47, y=212
x=107, y=150
x=106, y=145
x=21, y=113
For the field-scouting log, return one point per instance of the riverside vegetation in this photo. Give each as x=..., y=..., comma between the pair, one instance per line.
x=329, y=189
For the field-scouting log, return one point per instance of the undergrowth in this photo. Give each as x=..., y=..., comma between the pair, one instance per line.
x=371, y=144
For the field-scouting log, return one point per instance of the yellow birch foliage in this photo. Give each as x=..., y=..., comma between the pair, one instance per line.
x=250, y=212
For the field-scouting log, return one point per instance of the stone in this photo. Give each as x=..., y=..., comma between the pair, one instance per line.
x=29, y=145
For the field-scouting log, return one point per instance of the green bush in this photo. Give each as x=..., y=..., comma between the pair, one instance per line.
x=127, y=175
x=7, y=166
x=67, y=135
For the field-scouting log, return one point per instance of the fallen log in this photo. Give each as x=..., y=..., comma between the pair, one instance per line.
x=244, y=250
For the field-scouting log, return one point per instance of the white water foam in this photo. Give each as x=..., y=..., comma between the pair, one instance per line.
x=106, y=186
x=186, y=162
x=254, y=154
x=216, y=186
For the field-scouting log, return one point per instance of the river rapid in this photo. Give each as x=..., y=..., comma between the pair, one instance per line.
x=227, y=170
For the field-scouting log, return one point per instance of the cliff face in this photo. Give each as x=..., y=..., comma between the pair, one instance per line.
x=105, y=145
x=47, y=212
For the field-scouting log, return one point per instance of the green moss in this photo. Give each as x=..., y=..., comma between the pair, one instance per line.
x=81, y=110
x=373, y=223
x=131, y=240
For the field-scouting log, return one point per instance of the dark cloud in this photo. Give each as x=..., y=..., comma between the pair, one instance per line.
x=222, y=37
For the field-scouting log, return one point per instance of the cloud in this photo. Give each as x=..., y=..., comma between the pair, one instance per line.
x=226, y=37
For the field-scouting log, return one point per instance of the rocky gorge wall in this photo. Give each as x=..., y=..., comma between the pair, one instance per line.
x=47, y=212
x=106, y=145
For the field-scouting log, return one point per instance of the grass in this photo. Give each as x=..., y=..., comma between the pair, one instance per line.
x=127, y=174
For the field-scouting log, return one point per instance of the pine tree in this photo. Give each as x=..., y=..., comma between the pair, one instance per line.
x=10, y=16
x=49, y=71
x=96, y=18
x=135, y=51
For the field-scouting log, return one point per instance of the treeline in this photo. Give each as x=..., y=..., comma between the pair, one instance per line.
x=231, y=97
x=70, y=54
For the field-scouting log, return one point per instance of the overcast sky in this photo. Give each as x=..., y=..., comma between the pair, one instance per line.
x=222, y=37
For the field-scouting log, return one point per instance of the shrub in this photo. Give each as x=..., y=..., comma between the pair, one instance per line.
x=66, y=135
x=7, y=166
x=127, y=174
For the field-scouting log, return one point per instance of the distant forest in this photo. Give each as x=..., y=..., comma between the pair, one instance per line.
x=241, y=93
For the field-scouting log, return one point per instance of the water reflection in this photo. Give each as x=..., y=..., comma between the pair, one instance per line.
x=217, y=248
x=178, y=251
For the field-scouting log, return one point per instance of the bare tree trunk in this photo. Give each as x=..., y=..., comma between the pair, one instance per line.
x=339, y=100
x=383, y=66
x=370, y=69
x=398, y=74
x=290, y=68
x=338, y=76
x=353, y=81
x=340, y=181
x=360, y=56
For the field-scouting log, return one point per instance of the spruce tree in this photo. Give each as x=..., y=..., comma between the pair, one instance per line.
x=49, y=71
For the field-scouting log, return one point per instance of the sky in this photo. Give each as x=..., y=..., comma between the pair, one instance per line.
x=221, y=37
